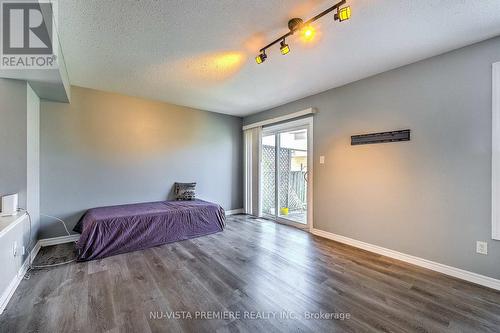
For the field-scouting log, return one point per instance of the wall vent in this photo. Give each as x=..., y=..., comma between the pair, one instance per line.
x=382, y=137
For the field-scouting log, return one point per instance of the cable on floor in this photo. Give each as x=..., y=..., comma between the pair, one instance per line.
x=35, y=267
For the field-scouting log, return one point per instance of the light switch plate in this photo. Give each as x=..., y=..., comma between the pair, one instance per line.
x=481, y=247
x=322, y=160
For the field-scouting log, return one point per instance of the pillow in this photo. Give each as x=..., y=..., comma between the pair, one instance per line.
x=185, y=191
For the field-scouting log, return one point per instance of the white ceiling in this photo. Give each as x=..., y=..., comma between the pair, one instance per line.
x=200, y=53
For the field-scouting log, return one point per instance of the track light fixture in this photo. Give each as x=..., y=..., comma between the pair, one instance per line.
x=343, y=14
x=284, y=48
x=261, y=57
x=296, y=24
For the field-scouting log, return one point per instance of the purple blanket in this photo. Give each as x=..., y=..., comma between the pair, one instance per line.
x=107, y=231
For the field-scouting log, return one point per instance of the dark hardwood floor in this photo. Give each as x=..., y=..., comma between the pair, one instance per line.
x=271, y=276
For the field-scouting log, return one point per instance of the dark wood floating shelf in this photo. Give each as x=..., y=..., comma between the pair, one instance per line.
x=382, y=137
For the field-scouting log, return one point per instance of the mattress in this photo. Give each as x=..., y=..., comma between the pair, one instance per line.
x=107, y=231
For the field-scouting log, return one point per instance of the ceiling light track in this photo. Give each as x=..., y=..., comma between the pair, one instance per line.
x=295, y=24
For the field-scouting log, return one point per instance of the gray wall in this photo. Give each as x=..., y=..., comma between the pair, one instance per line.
x=430, y=197
x=19, y=169
x=33, y=159
x=106, y=149
x=13, y=138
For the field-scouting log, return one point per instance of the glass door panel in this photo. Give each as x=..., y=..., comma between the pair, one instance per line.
x=292, y=175
x=284, y=173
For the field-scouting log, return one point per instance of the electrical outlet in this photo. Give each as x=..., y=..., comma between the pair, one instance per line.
x=481, y=247
x=322, y=160
x=23, y=250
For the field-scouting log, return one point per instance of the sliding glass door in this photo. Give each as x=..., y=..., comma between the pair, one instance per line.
x=285, y=172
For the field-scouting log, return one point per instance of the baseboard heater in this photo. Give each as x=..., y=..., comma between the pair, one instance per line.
x=382, y=137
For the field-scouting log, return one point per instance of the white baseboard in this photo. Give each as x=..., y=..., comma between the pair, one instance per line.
x=9, y=291
x=235, y=211
x=58, y=240
x=441, y=268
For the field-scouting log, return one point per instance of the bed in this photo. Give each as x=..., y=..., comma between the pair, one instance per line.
x=112, y=230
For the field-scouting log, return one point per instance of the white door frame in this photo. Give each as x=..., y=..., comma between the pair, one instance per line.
x=495, y=153
x=308, y=123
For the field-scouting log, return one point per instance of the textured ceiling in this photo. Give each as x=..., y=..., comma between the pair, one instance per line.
x=200, y=53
